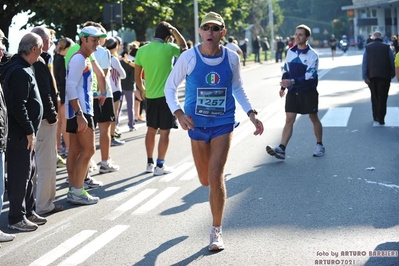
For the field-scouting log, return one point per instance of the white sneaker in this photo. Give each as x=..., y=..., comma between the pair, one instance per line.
x=93, y=166
x=150, y=168
x=319, y=151
x=107, y=168
x=90, y=182
x=216, y=242
x=83, y=199
x=6, y=237
x=163, y=171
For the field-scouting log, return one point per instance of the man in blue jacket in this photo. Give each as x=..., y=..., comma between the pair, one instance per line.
x=25, y=111
x=300, y=78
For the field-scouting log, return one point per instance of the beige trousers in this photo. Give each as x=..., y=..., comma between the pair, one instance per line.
x=46, y=166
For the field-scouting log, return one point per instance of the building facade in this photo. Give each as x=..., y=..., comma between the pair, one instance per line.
x=374, y=15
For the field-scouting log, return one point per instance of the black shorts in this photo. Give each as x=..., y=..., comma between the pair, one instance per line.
x=72, y=124
x=158, y=114
x=302, y=103
x=333, y=48
x=103, y=113
x=117, y=96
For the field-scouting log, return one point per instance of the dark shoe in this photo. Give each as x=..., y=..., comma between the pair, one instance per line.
x=381, y=122
x=35, y=218
x=57, y=208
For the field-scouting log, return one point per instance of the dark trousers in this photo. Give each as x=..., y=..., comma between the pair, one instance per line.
x=244, y=58
x=265, y=55
x=279, y=56
x=379, y=89
x=257, y=56
x=20, y=171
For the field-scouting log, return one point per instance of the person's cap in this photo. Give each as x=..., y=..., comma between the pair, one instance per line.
x=377, y=35
x=2, y=36
x=92, y=31
x=214, y=18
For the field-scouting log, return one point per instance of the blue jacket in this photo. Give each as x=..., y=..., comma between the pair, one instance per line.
x=301, y=65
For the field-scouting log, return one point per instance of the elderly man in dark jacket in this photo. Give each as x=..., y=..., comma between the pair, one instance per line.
x=25, y=111
x=378, y=70
x=46, y=145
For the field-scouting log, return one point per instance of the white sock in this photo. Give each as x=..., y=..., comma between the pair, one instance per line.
x=77, y=190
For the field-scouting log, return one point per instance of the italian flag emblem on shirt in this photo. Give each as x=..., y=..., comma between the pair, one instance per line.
x=213, y=78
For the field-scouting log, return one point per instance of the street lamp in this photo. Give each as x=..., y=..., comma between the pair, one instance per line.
x=271, y=23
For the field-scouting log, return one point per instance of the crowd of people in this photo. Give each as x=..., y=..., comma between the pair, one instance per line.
x=66, y=98
x=51, y=106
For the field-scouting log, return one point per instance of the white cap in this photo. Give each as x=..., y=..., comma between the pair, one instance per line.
x=92, y=31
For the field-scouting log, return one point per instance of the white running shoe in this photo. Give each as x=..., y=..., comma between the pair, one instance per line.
x=83, y=199
x=150, y=168
x=319, y=151
x=163, y=171
x=90, y=182
x=216, y=242
x=107, y=168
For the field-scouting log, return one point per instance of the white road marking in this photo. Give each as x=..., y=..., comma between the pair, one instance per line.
x=391, y=118
x=130, y=190
x=177, y=171
x=336, y=117
x=63, y=248
x=130, y=204
x=190, y=174
x=99, y=242
x=155, y=201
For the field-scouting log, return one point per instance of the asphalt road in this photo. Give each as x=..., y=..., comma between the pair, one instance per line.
x=337, y=209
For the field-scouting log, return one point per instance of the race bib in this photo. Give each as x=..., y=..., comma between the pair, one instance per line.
x=211, y=101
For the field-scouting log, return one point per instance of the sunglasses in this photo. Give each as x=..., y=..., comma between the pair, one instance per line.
x=213, y=28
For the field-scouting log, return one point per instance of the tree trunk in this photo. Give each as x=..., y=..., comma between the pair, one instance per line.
x=141, y=34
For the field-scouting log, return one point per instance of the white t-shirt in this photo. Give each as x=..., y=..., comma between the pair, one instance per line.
x=103, y=58
x=117, y=73
x=234, y=47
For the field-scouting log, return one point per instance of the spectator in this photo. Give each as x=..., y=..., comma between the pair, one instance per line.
x=46, y=144
x=244, y=49
x=4, y=237
x=60, y=75
x=280, y=46
x=116, y=74
x=265, y=47
x=232, y=46
x=155, y=59
x=128, y=85
x=378, y=70
x=256, y=48
x=80, y=123
x=25, y=111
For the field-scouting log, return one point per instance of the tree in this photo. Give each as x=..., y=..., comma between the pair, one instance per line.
x=9, y=9
x=314, y=13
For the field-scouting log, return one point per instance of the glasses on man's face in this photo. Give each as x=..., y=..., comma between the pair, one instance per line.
x=213, y=28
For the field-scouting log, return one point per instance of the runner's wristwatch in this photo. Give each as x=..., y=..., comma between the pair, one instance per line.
x=79, y=112
x=252, y=111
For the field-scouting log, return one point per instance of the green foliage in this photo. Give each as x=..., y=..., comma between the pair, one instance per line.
x=10, y=8
x=142, y=15
x=315, y=14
